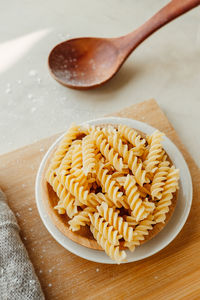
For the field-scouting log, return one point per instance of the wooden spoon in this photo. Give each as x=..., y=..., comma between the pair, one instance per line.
x=84, y=63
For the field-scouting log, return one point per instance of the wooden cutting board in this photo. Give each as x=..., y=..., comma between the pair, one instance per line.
x=173, y=273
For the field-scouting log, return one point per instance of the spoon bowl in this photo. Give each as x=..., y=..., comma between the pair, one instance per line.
x=84, y=62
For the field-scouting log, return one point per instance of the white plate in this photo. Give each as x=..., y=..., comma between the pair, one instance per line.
x=159, y=241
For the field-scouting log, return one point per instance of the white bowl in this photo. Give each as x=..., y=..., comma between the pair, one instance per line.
x=163, y=238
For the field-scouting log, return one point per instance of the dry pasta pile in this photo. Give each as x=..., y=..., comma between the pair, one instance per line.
x=114, y=181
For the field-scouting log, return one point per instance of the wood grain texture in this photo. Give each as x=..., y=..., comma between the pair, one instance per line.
x=84, y=236
x=173, y=273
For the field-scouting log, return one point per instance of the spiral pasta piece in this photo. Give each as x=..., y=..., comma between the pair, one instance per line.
x=81, y=219
x=77, y=164
x=104, y=147
x=77, y=157
x=88, y=151
x=129, y=157
x=74, y=187
x=143, y=191
x=136, y=167
x=115, y=140
x=80, y=177
x=112, y=251
x=159, y=179
x=110, y=185
x=133, y=198
x=131, y=135
x=94, y=200
x=155, y=151
x=171, y=185
x=113, y=218
x=100, y=197
x=139, y=232
x=64, y=145
x=149, y=206
x=66, y=203
x=105, y=229
x=131, y=221
x=66, y=162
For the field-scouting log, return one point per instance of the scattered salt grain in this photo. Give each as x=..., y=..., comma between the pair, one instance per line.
x=1, y=271
x=30, y=96
x=33, y=109
x=40, y=271
x=50, y=271
x=61, y=36
x=30, y=209
x=7, y=91
x=32, y=73
x=17, y=214
x=155, y=277
x=50, y=284
x=25, y=238
x=97, y=269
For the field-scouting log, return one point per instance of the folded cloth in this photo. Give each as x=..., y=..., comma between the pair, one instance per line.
x=18, y=280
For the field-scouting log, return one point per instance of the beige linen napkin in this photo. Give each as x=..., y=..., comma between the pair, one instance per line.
x=18, y=280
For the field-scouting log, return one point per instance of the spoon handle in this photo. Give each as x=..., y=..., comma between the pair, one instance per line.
x=171, y=11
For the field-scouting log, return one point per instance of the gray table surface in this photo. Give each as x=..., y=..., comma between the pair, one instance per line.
x=165, y=67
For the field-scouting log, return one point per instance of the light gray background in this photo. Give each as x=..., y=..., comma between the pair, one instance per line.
x=34, y=106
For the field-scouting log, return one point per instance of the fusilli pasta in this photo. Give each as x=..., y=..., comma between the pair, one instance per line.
x=131, y=135
x=110, y=186
x=155, y=151
x=171, y=185
x=81, y=219
x=104, y=147
x=88, y=151
x=106, y=230
x=112, y=251
x=159, y=179
x=113, y=218
x=139, y=232
x=133, y=197
x=74, y=187
x=115, y=181
x=64, y=145
x=66, y=203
